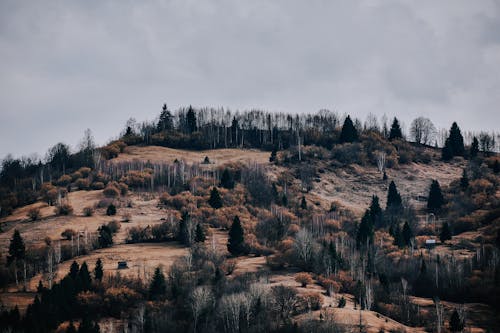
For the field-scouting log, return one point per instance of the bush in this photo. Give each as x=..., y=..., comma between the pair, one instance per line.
x=64, y=180
x=111, y=210
x=68, y=234
x=97, y=185
x=111, y=191
x=304, y=279
x=349, y=153
x=114, y=226
x=342, y=302
x=82, y=183
x=309, y=301
x=64, y=209
x=34, y=214
x=88, y=211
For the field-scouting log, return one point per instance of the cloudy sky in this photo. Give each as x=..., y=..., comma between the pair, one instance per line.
x=70, y=65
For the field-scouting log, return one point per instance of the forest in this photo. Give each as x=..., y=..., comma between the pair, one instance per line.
x=372, y=259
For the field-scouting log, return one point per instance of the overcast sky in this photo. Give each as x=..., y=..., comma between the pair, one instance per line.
x=70, y=65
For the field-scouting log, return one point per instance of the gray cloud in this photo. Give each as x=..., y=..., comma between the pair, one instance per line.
x=71, y=65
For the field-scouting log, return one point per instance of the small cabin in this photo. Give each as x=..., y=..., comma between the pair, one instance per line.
x=430, y=243
x=122, y=265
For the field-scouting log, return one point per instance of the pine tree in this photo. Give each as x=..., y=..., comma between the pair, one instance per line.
x=349, y=132
x=191, y=120
x=158, y=286
x=464, y=180
x=303, y=203
x=85, y=278
x=86, y=326
x=365, y=230
x=445, y=233
x=395, y=132
x=183, y=235
x=456, y=324
x=17, y=250
x=111, y=210
x=407, y=234
x=215, y=200
x=376, y=212
x=98, y=270
x=73, y=270
x=200, y=234
x=454, y=145
x=435, y=200
x=284, y=200
x=165, y=123
x=272, y=158
x=236, y=239
x=474, y=148
x=398, y=236
x=40, y=288
x=227, y=180
x=394, y=201
x=105, y=238
x=495, y=167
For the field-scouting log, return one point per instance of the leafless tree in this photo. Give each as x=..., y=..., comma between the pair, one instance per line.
x=201, y=299
x=304, y=246
x=381, y=155
x=285, y=299
x=439, y=314
x=423, y=130
x=229, y=311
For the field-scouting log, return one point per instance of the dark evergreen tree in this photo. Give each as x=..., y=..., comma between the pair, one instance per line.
x=435, y=200
x=199, y=234
x=407, y=234
x=105, y=238
x=474, y=148
x=84, y=276
x=158, y=286
x=272, y=158
x=165, y=123
x=236, y=239
x=376, y=212
x=215, y=200
x=183, y=235
x=394, y=201
x=398, y=236
x=40, y=288
x=191, y=120
x=495, y=167
x=111, y=210
x=284, y=200
x=395, y=132
x=364, y=235
x=73, y=270
x=464, y=180
x=303, y=203
x=227, y=180
x=17, y=250
x=98, y=270
x=445, y=233
x=454, y=145
x=349, y=132
x=86, y=326
x=456, y=324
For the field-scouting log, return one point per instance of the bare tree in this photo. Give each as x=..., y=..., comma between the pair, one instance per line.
x=439, y=314
x=201, y=298
x=303, y=245
x=285, y=299
x=229, y=310
x=381, y=155
x=423, y=130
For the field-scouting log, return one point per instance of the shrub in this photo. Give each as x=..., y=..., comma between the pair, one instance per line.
x=68, y=234
x=34, y=214
x=88, y=211
x=123, y=188
x=349, y=153
x=111, y=191
x=114, y=226
x=97, y=185
x=304, y=279
x=342, y=302
x=64, y=180
x=85, y=171
x=75, y=176
x=111, y=210
x=82, y=183
x=309, y=301
x=64, y=209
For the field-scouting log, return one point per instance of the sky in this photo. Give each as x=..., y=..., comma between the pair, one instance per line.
x=66, y=66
